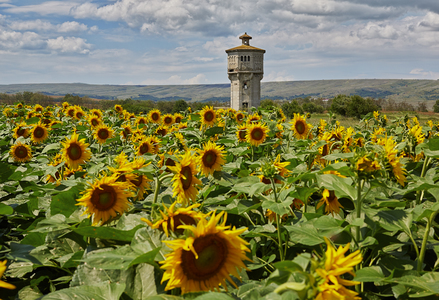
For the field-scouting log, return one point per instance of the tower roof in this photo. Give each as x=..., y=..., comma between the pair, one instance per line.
x=245, y=45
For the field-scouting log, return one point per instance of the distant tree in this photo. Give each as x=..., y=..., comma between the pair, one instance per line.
x=268, y=104
x=339, y=104
x=290, y=108
x=436, y=107
x=422, y=106
x=359, y=106
x=180, y=106
x=311, y=107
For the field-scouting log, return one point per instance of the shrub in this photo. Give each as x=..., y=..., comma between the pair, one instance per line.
x=290, y=108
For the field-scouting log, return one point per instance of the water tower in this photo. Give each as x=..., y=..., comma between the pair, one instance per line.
x=245, y=67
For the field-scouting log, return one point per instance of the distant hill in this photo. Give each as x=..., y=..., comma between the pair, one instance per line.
x=409, y=90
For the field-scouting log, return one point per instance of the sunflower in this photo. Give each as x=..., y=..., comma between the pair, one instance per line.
x=331, y=202
x=79, y=113
x=204, y=260
x=21, y=130
x=38, y=108
x=184, y=179
x=300, y=127
x=102, y=133
x=21, y=152
x=39, y=133
x=105, y=199
x=178, y=118
x=3, y=284
x=253, y=118
x=393, y=160
x=70, y=111
x=154, y=116
x=162, y=130
x=118, y=108
x=145, y=146
x=126, y=131
x=208, y=116
x=139, y=181
x=174, y=218
x=211, y=158
x=94, y=121
x=141, y=120
x=241, y=134
x=65, y=105
x=256, y=133
x=332, y=286
x=239, y=117
x=366, y=165
x=96, y=112
x=168, y=120
x=75, y=152
x=155, y=142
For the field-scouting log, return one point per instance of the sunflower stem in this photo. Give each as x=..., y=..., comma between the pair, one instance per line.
x=281, y=251
x=358, y=210
x=420, y=194
x=424, y=241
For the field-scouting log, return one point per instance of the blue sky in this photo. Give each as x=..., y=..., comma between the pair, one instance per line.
x=147, y=42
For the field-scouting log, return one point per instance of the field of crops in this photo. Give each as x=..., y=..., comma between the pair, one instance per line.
x=216, y=204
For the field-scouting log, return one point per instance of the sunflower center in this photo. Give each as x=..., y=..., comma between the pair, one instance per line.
x=104, y=197
x=21, y=152
x=168, y=120
x=181, y=219
x=257, y=134
x=186, y=177
x=162, y=132
x=94, y=122
x=325, y=150
x=38, y=132
x=331, y=198
x=300, y=127
x=242, y=134
x=144, y=148
x=209, y=116
x=103, y=133
x=71, y=113
x=74, y=151
x=155, y=116
x=177, y=119
x=21, y=131
x=142, y=121
x=138, y=181
x=239, y=117
x=209, y=158
x=212, y=254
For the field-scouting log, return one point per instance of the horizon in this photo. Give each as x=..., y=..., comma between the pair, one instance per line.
x=173, y=42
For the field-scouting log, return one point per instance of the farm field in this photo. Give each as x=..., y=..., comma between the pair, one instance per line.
x=217, y=204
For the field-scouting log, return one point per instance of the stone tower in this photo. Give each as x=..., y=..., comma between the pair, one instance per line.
x=245, y=67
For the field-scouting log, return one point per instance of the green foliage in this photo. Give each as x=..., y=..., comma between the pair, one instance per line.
x=180, y=106
x=311, y=107
x=436, y=106
x=353, y=106
x=290, y=108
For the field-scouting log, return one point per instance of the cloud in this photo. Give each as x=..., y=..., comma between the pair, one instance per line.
x=177, y=79
x=45, y=8
x=278, y=76
x=425, y=74
x=40, y=25
x=69, y=44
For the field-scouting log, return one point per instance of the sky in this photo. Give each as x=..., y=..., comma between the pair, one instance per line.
x=155, y=42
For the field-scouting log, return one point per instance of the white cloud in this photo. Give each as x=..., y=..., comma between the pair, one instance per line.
x=278, y=76
x=70, y=44
x=45, y=8
x=72, y=27
x=177, y=79
x=40, y=25
x=425, y=74
x=378, y=31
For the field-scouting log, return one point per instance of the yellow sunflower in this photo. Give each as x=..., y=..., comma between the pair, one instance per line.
x=3, y=284
x=208, y=116
x=256, y=133
x=139, y=181
x=332, y=286
x=118, y=108
x=154, y=116
x=145, y=146
x=21, y=130
x=205, y=259
x=102, y=133
x=172, y=218
x=184, y=179
x=162, y=130
x=241, y=134
x=94, y=121
x=38, y=108
x=178, y=118
x=96, y=112
x=365, y=164
x=75, y=152
x=239, y=117
x=39, y=133
x=331, y=202
x=70, y=111
x=21, y=152
x=126, y=131
x=105, y=199
x=141, y=120
x=211, y=158
x=168, y=120
x=300, y=127
x=79, y=113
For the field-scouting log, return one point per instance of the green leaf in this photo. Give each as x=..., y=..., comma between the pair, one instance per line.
x=306, y=234
x=50, y=147
x=110, y=259
x=214, y=130
x=148, y=257
x=33, y=120
x=6, y=209
x=214, y=296
x=6, y=170
x=107, y=291
x=281, y=208
x=342, y=186
x=369, y=274
x=107, y=233
x=65, y=202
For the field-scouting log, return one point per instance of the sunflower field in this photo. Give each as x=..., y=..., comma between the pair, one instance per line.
x=216, y=204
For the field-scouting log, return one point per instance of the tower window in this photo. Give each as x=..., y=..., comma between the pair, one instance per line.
x=242, y=58
x=245, y=58
x=248, y=58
